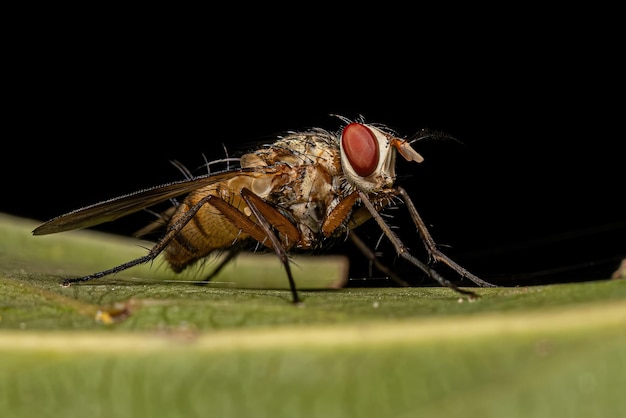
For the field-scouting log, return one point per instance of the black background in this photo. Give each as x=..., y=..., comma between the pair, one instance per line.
x=530, y=192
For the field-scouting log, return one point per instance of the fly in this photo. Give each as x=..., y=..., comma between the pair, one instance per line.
x=298, y=193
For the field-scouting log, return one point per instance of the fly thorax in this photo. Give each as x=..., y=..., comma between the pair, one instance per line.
x=306, y=196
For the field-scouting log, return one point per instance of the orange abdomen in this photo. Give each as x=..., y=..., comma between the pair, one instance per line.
x=207, y=231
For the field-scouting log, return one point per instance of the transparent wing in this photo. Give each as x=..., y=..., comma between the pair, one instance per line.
x=118, y=207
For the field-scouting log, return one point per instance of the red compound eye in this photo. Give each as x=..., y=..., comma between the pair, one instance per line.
x=361, y=147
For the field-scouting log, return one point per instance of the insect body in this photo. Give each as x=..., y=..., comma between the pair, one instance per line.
x=297, y=193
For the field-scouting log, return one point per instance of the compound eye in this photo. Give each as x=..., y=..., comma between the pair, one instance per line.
x=361, y=148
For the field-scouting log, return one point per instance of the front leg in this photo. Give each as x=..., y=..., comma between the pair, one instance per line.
x=403, y=251
x=431, y=246
x=339, y=216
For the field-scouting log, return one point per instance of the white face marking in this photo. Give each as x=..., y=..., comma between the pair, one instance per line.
x=382, y=171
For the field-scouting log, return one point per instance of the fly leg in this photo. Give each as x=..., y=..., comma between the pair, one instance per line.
x=403, y=251
x=431, y=246
x=230, y=255
x=374, y=260
x=337, y=217
x=262, y=231
x=259, y=207
x=171, y=233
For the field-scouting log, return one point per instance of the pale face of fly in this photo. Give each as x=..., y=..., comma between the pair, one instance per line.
x=368, y=156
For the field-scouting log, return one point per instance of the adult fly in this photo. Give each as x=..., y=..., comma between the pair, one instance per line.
x=300, y=192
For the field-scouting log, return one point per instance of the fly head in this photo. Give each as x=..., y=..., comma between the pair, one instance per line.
x=368, y=156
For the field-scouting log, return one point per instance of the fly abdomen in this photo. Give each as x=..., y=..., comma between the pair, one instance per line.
x=207, y=231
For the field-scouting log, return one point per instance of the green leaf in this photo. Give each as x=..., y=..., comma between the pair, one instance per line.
x=146, y=342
